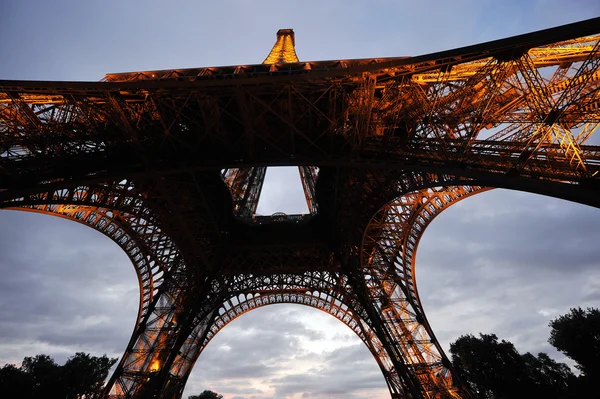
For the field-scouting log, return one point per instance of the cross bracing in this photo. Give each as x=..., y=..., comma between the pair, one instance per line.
x=170, y=165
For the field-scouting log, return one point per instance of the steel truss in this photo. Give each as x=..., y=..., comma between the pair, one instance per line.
x=170, y=165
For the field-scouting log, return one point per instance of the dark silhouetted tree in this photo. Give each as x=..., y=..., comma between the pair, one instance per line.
x=45, y=374
x=547, y=378
x=490, y=368
x=84, y=375
x=577, y=335
x=206, y=395
x=495, y=369
x=40, y=377
x=15, y=383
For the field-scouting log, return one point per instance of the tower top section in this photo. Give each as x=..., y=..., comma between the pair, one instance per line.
x=283, y=52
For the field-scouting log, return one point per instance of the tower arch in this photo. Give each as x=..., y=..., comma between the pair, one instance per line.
x=119, y=214
x=388, y=266
x=240, y=304
x=378, y=129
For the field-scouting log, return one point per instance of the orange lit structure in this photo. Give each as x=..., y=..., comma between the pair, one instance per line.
x=170, y=165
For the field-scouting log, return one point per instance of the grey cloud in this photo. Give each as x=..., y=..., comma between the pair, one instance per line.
x=322, y=385
x=347, y=370
x=231, y=366
x=238, y=388
x=493, y=262
x=58, y=293
x=521, y=232
x=282, y=192
x=251, y=347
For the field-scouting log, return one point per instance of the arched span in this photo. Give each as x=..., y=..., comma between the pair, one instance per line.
x=334, y=303
x=121, y=229
x=121, y=216
x=231, y=310
x=116, y=210
x=145, y=349
x=394, y=232
x=388, y=268
x=388, y=259
x=397, y=227
x=244, y=303
x=407, y=182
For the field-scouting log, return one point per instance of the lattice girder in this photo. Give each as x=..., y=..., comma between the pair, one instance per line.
x=388, y=259
x=326, y=291
x=147, y=351
x=128, y=218
x=156, y=262
x=245, y=185
x=154, y=338
x=431, y=368
x=325, y=303
x=142, y=158
x=415, y=112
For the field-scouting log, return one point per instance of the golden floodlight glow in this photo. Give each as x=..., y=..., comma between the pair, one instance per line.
x=283, y=52
x=155, y=366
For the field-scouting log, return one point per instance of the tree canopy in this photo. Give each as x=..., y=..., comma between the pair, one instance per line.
x=206, y=395
x=81, y=376
x=577, y=335
x=494, y=369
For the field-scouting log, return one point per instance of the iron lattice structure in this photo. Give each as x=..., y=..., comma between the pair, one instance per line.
x=170, y=165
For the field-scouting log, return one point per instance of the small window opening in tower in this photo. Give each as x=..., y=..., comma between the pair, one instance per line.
x=282, y=192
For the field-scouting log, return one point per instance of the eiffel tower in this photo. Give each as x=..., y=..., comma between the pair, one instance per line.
x=170, y=164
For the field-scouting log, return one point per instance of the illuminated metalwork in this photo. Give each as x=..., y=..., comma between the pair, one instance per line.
x=170, y=165
x=284, y=51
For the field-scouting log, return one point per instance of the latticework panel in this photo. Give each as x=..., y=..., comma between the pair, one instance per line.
x=388, y=254
x=153, y=256
x=142, y=158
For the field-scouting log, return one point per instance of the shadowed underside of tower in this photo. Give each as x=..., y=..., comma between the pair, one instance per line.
x=170, y=165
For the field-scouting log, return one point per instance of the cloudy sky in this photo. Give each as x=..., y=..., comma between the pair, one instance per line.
x=500, y=262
